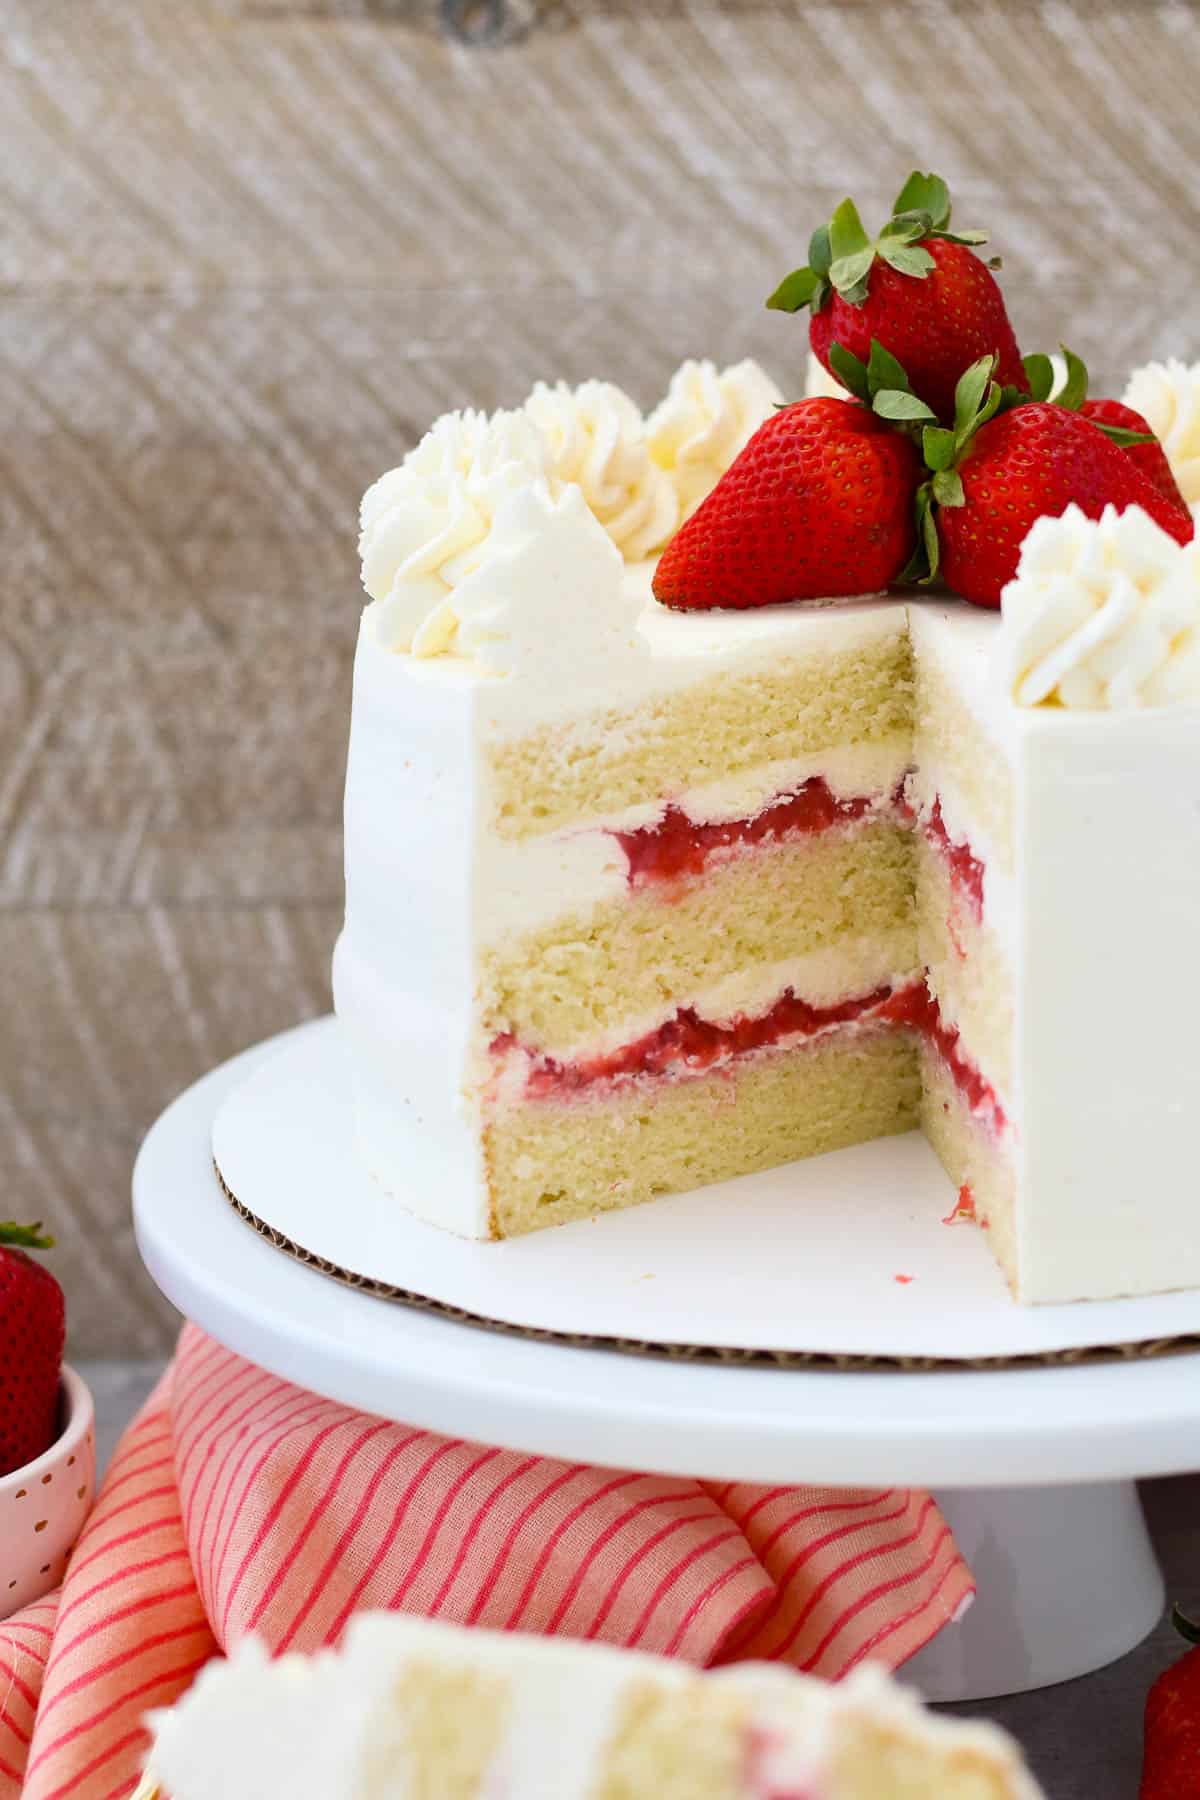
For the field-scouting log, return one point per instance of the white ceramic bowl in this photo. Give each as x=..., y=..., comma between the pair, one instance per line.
x=43, y=1506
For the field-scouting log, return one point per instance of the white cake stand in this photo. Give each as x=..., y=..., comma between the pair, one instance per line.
x=1033, y=1466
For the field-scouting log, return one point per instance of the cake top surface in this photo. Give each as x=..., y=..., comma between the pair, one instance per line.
x=524, y=543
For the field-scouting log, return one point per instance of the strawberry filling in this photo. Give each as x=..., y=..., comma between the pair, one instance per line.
x=688, y=1044
x=917, y=1008
x=966, y=870
x=676, y=846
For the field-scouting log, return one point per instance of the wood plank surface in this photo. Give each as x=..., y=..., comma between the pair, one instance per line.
x=247, y=252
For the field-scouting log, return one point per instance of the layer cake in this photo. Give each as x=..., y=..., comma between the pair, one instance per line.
x=638, y=900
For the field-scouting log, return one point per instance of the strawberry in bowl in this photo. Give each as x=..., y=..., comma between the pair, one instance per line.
x=47, y=1434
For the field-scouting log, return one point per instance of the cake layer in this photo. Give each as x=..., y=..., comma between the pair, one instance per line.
x=690, y=1042
x=966, y=968
x=535, y=879
x=961, y=752
x=633, y=961
x=555, y=1160
x=851, y=685
x=974, y=1157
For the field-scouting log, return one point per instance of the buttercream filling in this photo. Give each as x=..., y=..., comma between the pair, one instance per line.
x=687, y=1045
x=675, y=846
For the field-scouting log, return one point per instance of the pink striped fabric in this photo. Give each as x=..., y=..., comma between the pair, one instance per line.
x=239, y=1504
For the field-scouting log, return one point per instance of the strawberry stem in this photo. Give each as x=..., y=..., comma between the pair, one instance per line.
x=24, y=1237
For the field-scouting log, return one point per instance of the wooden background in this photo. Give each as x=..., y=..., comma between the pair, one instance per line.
x=247, y=252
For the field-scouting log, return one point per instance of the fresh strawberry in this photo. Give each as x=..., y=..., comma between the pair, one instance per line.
x=32, y=1331
x=1002, y=466
x=820, y=502
x=1150, y=458
x=1171, y=1757
x=918, y=289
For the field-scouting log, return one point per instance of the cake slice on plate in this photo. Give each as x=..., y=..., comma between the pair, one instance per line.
x=419, y=1711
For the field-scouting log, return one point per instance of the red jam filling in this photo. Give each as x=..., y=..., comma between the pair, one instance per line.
x=688, y=1043
x=915, y=1006
x=966, y=871
x=963, y=1210
x=676, y=846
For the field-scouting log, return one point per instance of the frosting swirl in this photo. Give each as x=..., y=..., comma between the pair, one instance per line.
x=596, y=438
x=428, y=525
x=1103, y=614
x=1168, y=397
x=705, y=421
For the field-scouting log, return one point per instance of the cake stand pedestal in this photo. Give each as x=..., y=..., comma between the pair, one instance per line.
x=1034, y=1466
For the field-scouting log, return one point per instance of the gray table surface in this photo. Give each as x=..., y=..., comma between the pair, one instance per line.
x=1083, y=1738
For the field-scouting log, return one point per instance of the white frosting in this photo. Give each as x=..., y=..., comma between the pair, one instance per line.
x=596, y=438
x=1167, y=394
x=705, y=421
x=1107, y=1075
x=1103, y=614
x=328, y=1727
x=432, y=528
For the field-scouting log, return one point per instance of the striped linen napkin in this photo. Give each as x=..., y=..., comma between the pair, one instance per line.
x=237, y=1503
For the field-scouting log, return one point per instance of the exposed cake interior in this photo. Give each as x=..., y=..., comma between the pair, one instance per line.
x=791, y=957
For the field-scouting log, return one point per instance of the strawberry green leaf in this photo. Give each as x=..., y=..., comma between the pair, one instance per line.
x=971, y=238
x=1039, y=373
x=940, y=447
x=884, y=371
x=922, y=564
x=1123, y=437
x=847, y=235
x=969, y=395
x=925, y=193
x=850, y=372
x=1073, y=392
x=856, y=295
x=820, y=255
x=948, y=488
x=907, y=259
x=26, y=1237
x=894, y=403
x=929, y=536
x=917, y=566
x=848, y=272
x=990, y=407
x=795, y=291
x=907, y=228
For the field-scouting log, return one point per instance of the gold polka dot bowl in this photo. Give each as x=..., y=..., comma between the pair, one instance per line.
x=43, y=1506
